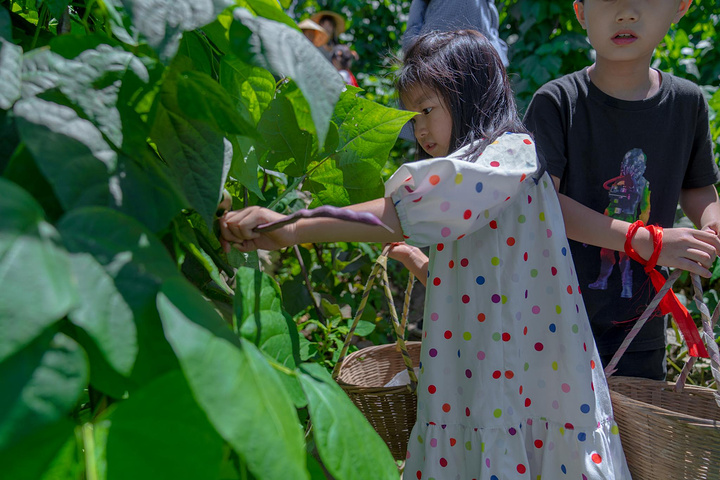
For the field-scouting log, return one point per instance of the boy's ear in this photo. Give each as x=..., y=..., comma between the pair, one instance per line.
x=579, y=8
x=682, y=10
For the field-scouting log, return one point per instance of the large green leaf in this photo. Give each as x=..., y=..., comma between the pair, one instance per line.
x=285, y=51
x=367, y=131
x=201, y=97
x=37, y=287
x=69, y=150
x=124, y=265
x=198, y=154
x=5, y=24
x=104, y=314
x=366, y=127
x=10, y=68
x=89, y=81
x=56, y=7
x=160, y=432
x=36, y=453
x=245, y=161
x=349, y=447
x=233, y=383
x=41, y=384
x=161, y=23
x=260, y=316
x=252, y=88
x=290, y=148
x=269, y=9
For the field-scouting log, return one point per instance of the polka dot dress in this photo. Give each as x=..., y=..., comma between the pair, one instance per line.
x=511, y=386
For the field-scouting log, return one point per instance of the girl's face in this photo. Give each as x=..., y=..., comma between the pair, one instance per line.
x=433, y=123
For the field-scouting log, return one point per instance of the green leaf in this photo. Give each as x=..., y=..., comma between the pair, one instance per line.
x=366, y=127
x=135, y=264
x=37, y=287
x=286, y=52
x=35, y=453
x=41, y=384
x=89, y=81
x=198, y=154
x=160, y=432
x=5, y=24
x=56, y=7
x=244, y=166
x=251, y=87
x=70, y=151
x=284, y=139
x=349, y=447
x=233, y=383
x=161, y=23
x=367, y=131
x=200, y=97
x=10, y=69
x=104, y=314
x=261, y=319
x=269, y=9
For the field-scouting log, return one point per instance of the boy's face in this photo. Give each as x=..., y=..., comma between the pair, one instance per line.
x=627, y=30
x=433, y=123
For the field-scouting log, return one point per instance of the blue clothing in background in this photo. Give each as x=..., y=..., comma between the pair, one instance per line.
x=448, y=15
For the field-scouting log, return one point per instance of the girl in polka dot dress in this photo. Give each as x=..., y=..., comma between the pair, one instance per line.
x=510, y=384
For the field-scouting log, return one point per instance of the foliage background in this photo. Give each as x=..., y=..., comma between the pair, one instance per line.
x=131, y=345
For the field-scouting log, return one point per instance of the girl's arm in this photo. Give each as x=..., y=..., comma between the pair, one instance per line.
x=686, y=248
x=412, y=258
x=237, y=228
x=702, y=207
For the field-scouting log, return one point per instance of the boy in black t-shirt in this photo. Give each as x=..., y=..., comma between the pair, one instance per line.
x=624, y=143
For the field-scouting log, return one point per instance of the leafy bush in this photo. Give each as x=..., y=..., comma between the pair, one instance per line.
x=131, y=345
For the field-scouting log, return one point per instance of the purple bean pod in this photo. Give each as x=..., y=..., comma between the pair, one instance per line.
x=324, y=211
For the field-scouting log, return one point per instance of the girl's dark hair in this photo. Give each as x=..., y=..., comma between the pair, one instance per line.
x=466, y=71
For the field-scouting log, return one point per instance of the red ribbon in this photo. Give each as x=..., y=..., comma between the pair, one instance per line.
x=670, y=303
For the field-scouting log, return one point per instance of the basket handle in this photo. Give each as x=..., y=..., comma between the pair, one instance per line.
x=380, y=267
x=707, y=332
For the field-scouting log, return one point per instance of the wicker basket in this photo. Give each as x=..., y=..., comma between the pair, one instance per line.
x=390, y=410
x=362, y=375
x=669, y=431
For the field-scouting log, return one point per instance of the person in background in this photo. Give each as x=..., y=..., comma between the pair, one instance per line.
x=447, y=15
x=342, y=59
x=334, y=24
x=314, y=32
x=624, y=144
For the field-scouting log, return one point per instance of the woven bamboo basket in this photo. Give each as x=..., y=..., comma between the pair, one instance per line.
x=669, y=431
x=390, y=410
x=362, y=375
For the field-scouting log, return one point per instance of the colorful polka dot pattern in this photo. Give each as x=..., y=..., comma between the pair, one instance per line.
x=508, y=388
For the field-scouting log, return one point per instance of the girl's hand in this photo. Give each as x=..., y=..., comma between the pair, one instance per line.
x=689, y=249
x=237, y=230
x=412, y=258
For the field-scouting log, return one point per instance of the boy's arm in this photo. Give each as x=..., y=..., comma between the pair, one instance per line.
x=415, y=21
x=237, y=228
x=686, y=248
x=702, y=207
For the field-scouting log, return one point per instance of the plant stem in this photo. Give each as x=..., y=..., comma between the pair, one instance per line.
x=308, y=285
x=40, y=22
x=89, y=446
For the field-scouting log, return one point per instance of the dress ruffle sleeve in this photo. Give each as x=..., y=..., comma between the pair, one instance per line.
x=443, y=199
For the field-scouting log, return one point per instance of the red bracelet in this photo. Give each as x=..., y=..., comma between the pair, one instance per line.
x=657, y=235
x=670, y=303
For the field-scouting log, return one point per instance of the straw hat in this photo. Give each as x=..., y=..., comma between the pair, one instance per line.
x=339, y=19
x=320, y=35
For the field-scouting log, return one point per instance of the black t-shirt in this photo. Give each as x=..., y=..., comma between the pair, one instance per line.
x=629, y=160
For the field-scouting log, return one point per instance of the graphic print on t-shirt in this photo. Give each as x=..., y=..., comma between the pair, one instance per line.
x=627, y=193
